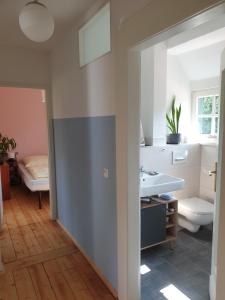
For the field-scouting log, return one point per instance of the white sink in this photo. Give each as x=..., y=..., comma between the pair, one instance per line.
x=157, y=184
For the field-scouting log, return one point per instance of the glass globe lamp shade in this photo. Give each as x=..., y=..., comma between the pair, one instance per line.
x=36, y=22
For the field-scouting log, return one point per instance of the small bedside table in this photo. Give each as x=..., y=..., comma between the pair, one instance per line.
x=13, y=171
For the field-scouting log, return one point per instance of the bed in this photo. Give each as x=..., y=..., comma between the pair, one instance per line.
x=35, y=175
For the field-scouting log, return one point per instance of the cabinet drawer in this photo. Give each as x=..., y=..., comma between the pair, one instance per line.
x=153, y=225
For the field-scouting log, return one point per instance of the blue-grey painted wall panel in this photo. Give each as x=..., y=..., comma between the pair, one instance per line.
x=86, y=199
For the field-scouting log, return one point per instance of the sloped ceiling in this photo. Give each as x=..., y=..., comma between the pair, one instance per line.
x=202, y=63
x=200, y=57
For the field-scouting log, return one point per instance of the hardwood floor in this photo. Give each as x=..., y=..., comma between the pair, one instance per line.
x=40, y=260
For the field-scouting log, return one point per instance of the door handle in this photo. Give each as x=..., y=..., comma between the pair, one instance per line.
x=211, y=173
x=214, y=172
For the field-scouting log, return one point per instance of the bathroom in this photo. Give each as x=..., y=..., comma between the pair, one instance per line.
x=186, y=66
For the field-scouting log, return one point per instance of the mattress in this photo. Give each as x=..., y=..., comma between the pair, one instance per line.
x=33, y=184
x=39, y=171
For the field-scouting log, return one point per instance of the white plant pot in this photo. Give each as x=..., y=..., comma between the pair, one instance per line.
x=12, y=155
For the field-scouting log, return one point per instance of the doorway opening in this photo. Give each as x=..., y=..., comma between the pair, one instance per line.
x=179, y=222
x=25, y=150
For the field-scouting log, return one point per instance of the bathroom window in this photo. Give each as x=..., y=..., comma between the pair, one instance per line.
x=208, y=115
x=94, y=36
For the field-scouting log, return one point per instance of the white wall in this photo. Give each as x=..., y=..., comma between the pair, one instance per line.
x=159, y=159
x=78, y=91
x=153, y=93
x=90, y=90
x=178, y=84
x=204, y=84
x=23, y=66
x=147, y=93
x=160, y=83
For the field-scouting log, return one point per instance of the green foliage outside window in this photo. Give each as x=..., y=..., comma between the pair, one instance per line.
x=208, y=114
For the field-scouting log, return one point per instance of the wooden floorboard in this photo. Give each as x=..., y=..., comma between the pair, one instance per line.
x=7, y=248
x=24, y=285
x=40, y=260
x=41, y=282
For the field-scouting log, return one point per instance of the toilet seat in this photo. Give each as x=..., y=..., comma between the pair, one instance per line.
x=196, y=206
x=194, y=212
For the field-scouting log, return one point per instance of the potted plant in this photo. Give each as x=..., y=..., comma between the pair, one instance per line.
x=173, y=122
x=6, y=145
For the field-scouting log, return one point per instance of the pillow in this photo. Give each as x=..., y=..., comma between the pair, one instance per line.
x=35, y=160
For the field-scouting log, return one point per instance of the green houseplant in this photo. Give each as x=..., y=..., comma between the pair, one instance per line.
x=173, y=122
x=6, y=145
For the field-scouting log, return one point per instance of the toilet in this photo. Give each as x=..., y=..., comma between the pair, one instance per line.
x=194, y=212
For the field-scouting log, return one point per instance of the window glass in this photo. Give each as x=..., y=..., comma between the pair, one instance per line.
x=205, y=125
x=205, y=105
x=208, y=114
x=94, y=36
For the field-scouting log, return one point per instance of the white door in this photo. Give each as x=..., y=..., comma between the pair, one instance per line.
x=217, y=287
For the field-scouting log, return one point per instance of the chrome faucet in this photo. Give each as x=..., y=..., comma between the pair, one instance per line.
x=141, y=170
x=152, y=173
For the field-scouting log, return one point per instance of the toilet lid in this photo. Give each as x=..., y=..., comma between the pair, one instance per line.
x=196, y=206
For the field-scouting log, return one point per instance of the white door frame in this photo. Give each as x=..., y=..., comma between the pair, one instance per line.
x=218, y=258
x=129, y=247
x=51, y=149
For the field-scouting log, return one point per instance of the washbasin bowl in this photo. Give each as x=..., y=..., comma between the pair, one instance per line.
x=151, y=185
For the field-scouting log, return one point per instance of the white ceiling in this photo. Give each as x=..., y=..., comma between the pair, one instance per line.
x=200, y=57
x=202, y=63
x=63, y=11
x=200, y=42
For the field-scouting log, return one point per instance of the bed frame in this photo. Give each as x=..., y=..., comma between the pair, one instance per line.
x=34, y=185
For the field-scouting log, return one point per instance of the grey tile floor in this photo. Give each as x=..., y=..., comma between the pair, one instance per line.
x=187, y=267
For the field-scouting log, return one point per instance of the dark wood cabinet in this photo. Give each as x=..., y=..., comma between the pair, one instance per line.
x=5, y=181
x=13, y=171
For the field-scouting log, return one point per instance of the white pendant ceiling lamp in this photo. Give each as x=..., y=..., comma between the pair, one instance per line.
x=36, y=22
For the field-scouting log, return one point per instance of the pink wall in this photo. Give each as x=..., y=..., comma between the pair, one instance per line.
x=23, y=117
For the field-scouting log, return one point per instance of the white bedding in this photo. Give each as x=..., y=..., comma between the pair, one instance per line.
x=34, y=185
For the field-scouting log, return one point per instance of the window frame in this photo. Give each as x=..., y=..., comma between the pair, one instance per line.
x=194, y=114
x=212, y=116
x=81, y=36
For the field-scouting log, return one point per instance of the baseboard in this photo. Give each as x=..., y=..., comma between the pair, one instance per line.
x=106, y=282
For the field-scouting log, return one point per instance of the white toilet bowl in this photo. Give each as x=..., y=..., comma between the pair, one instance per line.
x=194, y=212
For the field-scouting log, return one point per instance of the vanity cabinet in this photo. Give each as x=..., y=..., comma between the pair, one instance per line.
x=158, y=223
x=153, y=224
